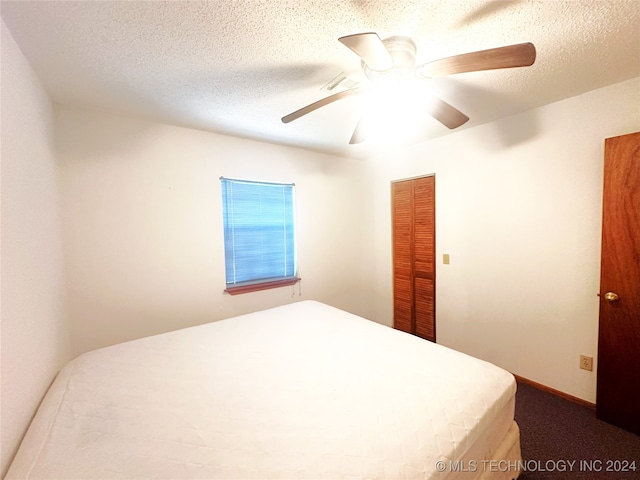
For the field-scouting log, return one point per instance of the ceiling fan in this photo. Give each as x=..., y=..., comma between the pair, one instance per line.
x=394, y=59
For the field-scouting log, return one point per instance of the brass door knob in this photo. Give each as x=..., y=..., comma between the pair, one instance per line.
x=611, y=297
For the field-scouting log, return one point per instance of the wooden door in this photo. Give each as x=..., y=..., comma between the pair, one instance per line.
x=413, y=220
x=402, y=226
x=618, y=393
x=424, y=257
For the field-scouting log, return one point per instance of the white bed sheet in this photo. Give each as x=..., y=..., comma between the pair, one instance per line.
x=300, y=391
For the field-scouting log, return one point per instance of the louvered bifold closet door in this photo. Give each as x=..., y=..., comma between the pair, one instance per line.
x=413, y=214
x=402, y=214
x=423, y=247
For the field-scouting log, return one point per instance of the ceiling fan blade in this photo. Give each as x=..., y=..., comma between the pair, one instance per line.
x=320, y=103
x=520, y=55
x=370, y=49
x=447, y=115
x=360, y=133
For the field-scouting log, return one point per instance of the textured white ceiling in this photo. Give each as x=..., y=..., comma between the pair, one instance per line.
x=238, y=66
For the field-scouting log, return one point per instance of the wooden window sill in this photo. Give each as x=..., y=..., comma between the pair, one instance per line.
x=256, y=287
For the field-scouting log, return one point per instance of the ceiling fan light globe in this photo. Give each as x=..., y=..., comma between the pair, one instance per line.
x=402, y=51
x=377, y=76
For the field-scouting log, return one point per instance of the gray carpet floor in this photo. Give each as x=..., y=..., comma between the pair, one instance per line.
x=564, y=440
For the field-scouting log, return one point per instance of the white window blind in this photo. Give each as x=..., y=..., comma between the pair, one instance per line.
x=259, y=231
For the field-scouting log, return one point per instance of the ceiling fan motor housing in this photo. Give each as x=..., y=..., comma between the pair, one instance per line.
x=403, y=55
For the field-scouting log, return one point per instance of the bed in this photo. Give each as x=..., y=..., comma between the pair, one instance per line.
x=302, y=391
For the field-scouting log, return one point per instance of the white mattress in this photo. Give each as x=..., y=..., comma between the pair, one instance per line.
x=300, y=391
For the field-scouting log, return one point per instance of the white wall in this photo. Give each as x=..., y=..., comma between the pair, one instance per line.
x=35, y=334
x=518, y=208
x=143, y=225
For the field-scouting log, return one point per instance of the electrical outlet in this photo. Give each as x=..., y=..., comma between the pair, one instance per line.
x=586, y=363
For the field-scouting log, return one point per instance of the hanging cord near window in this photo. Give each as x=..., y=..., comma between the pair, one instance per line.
x=293, y=288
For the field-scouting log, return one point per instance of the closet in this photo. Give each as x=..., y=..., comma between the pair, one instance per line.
x=413, y=226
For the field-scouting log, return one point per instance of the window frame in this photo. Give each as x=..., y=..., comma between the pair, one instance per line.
x=265, y=283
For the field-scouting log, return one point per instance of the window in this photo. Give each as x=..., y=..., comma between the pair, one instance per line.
x=259, y=235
